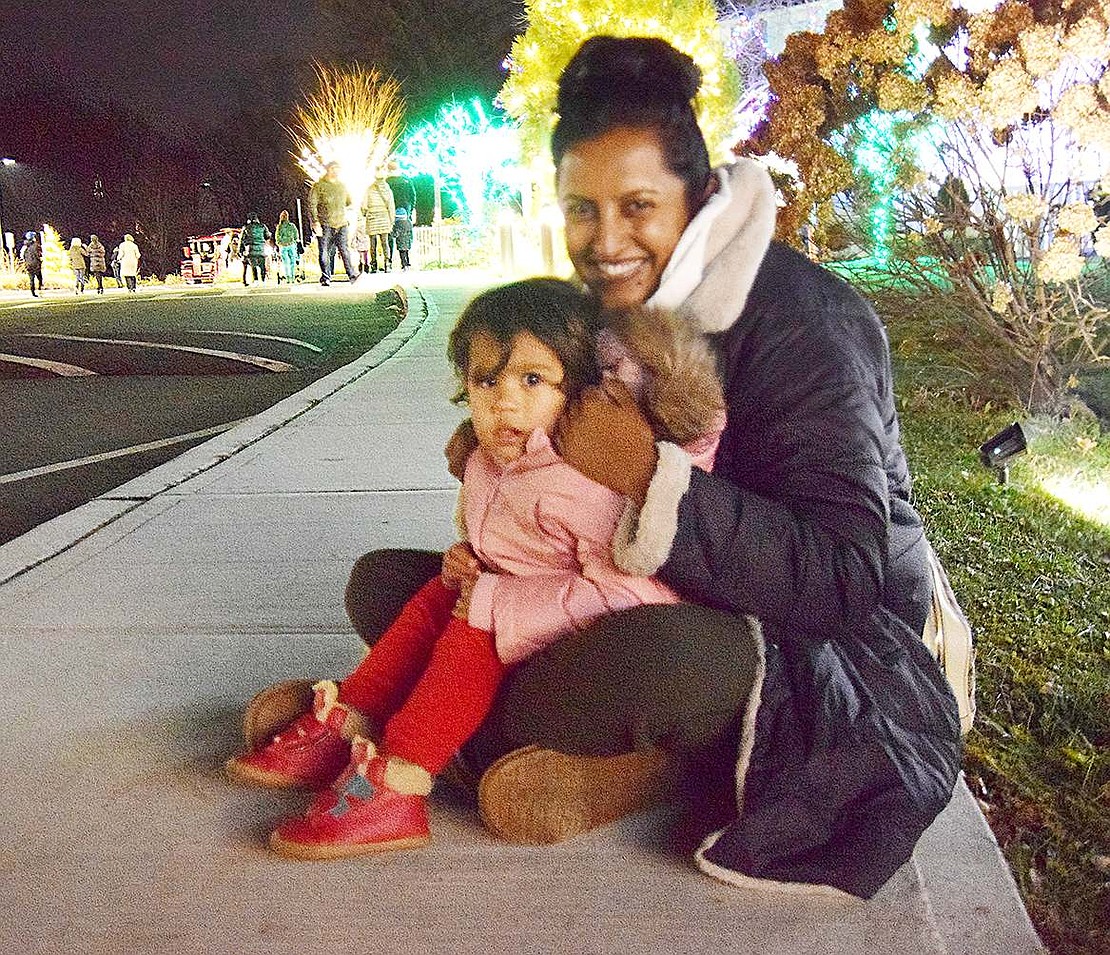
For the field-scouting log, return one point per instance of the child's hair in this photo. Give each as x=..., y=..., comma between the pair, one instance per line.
x=557, y=313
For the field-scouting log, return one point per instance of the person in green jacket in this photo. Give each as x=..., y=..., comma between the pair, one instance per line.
x=287, y=238
x=252, y=242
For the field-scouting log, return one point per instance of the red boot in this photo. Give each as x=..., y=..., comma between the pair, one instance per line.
x=377, y=805
x=310, y=752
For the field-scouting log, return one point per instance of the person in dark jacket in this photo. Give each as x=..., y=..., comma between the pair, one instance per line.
x=812, y=731
x=404, y=203
x=30, y=254
x=98, y=262
x=252, y=241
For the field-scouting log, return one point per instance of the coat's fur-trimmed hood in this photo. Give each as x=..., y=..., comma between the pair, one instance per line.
x=739, y=232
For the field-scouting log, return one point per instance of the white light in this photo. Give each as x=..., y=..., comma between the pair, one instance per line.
x=1088, y=498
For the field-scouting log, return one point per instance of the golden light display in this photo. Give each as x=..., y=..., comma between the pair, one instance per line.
x=556, y=28
x=354, y=118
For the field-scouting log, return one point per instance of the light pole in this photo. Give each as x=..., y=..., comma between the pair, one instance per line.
x=6, y=248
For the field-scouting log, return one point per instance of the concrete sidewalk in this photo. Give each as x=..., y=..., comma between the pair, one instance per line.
x=136, y=626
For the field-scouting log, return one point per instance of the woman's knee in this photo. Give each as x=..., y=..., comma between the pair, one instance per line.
x=673, y=676
x=381, y=583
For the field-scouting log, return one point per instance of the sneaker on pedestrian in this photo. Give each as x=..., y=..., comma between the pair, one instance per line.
x=310, y=752
x=378, y=804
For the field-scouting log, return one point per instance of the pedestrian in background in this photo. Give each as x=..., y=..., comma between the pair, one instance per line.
x=129, y=255
x=377, y=220
x=328, y=201
x=362, y=247
x=287, y=237
x=115, y=267
x=78, y=263
x=252, y=241
x=30, y=254
x=98, y=262
x=404, y=215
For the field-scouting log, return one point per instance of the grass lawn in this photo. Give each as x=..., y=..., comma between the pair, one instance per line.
x=1032, y=572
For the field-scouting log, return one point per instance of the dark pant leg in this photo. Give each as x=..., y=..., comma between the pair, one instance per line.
x=323, y=248
x=382, y=582
x=345, y=253
x=674, y=676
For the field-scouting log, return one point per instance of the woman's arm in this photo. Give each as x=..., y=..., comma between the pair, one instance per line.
x=792, y=525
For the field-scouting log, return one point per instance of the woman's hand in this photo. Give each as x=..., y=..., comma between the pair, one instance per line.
x=459, y=447
x=605, y=436
x=460, y=568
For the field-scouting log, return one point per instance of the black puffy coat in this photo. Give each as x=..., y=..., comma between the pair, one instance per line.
x=806, y=525
x=851, y=737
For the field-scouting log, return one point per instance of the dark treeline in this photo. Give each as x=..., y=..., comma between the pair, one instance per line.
x=86, y=167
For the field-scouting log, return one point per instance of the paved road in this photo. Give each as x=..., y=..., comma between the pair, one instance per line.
x=97, y=390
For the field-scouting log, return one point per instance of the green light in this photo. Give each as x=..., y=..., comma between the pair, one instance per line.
x=473, y=155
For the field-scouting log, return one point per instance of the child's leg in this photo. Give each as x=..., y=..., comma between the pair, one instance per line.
x=450, y=701
x=385, y=678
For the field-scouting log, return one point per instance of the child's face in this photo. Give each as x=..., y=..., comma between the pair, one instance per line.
x=507, y=406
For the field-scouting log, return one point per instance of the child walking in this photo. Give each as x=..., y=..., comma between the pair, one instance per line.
x=535, y=564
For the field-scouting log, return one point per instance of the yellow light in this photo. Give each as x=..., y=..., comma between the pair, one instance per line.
x=1090, y=499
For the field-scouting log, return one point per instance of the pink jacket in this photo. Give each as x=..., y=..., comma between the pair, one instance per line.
x=545, y=530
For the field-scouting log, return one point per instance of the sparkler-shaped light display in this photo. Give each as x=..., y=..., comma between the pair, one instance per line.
x=354, y=118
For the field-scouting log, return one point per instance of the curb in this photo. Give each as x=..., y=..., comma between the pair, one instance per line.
x=55, y=536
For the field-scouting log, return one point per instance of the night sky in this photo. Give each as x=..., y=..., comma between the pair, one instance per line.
x=178, y=62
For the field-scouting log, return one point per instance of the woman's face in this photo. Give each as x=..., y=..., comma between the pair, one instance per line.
x=508, y=404
x=625, y=212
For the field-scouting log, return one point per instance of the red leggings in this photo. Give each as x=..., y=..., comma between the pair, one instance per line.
x=430, y=679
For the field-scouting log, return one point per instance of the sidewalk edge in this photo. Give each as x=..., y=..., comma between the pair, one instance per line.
x=53, y=537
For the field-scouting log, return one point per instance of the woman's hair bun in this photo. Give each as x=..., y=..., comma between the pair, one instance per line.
x=633, y=70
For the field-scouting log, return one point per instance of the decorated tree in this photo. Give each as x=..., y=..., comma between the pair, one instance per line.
x=55, y=256
x=969, y=155
x=556, y=28
x=354, y=117
x=471, y=152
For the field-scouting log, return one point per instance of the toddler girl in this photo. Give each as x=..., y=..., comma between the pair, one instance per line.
x=535, y=565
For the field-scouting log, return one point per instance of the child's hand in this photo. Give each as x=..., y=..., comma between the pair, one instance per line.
x=460, y=569
x=605, y=436
x=459, y=447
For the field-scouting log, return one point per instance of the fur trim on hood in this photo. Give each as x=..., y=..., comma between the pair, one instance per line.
x=669, y=368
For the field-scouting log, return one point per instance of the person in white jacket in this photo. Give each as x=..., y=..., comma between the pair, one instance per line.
x=128, y=254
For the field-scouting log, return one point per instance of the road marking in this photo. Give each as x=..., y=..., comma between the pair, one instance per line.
x=269, y=338
x=270, y=364
x=121, y=452
x=57, y=367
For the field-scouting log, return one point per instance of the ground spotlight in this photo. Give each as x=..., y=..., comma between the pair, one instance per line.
x=996, y=452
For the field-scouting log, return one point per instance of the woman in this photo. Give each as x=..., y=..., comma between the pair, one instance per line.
x=287, y=237
x=78, y=261
x=98, y=262
x=793, y=692
x=128, y=254
x=378, y=213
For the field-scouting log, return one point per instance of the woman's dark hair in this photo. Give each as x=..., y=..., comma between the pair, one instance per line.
x=557, y=313
x=634, y=81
